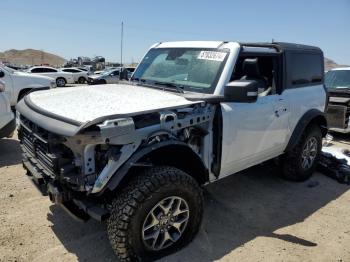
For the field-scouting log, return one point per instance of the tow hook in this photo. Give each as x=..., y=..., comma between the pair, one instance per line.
x=56, y=195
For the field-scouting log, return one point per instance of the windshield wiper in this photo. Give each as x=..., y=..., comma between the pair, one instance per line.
x=180, y=89
x=140, y=80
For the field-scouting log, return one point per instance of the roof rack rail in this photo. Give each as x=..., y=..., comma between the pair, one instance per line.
x=263, y=45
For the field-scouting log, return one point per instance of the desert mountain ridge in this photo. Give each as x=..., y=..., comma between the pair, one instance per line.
x=31, y=57
x=38, y=57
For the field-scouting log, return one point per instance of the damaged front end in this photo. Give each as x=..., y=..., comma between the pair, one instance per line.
x=76, y=171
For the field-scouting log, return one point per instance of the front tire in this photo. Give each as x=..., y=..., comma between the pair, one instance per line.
x=61, y=82
x=158, y=212
x=300, y=163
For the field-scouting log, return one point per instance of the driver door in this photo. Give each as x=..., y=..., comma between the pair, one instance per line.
x=253, y=132
x=257, y=131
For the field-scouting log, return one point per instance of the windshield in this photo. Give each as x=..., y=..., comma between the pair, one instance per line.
x=337, y=79
x=192, y=69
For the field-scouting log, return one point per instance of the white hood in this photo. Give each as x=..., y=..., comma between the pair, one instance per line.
x=86, y=103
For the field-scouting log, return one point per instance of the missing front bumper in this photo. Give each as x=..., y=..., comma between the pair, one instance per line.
x=79, y=209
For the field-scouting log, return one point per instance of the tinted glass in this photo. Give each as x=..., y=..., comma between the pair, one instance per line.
x=337, y=79
x=114, y=73
x=49, y=70
x=304, y=69
x=37, y=70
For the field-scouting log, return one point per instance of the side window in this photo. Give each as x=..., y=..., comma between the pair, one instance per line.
x=115, y=73
x=49, y=70
x=304, y=69
x=36, y=70
x=265, y=71
x=70, y=70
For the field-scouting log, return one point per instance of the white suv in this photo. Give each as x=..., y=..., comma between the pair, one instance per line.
x=80, y=76
x=61, y=78
x=137, y=153
x=18, y=84
x=7, y=120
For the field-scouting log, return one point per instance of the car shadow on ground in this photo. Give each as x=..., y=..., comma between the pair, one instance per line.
x=10, y=152
x=238, y=209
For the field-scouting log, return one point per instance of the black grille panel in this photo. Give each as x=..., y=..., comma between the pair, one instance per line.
x=37, y=147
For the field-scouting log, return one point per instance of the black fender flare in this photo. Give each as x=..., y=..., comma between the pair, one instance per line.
x=138, y=155
x=304, y=121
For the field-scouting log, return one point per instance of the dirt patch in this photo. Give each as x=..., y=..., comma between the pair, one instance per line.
x=251, y=216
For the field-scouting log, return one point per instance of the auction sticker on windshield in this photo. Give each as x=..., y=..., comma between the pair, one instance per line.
x=212, y=55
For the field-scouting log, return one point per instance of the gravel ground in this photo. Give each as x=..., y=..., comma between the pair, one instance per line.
x=251, y=216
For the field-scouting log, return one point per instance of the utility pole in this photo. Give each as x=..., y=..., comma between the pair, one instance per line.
x=121, y=45
x=42, y=56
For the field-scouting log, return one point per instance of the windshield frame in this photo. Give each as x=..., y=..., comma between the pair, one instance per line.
x=184, y=87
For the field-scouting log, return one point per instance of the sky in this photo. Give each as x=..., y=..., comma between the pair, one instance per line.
x=72, y=28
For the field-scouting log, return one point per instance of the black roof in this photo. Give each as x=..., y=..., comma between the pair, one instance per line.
x=283, y=46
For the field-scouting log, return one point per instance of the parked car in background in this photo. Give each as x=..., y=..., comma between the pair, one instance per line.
x=337, y=82
x=18, y=84
x=7, y=119
x=107, y=77
x=61, y=78
x=80, y=76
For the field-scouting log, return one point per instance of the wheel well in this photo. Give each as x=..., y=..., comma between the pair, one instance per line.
x=313, y=117
x=178, y=156
x=321, y=122
x=181, y=157
x=23, y=92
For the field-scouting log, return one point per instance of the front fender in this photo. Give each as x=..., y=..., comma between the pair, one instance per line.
x=136, y=157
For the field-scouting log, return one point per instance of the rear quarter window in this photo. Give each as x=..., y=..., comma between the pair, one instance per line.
x=304, y=69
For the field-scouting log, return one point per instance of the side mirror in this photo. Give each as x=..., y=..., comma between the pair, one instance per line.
x=2, y=74
x=244, y=91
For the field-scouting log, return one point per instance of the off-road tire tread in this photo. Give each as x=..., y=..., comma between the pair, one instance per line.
x=137, y=191
x=289, y=170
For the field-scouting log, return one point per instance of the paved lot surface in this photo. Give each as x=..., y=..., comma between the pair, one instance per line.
x=252, y=216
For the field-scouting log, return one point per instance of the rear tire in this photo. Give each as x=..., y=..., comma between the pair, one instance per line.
x=300, y=163
x=61, y=82
x=151, y=208
x=81, y=80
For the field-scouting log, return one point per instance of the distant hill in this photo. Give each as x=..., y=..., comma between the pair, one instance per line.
x=31, y=57
x=330, y=64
